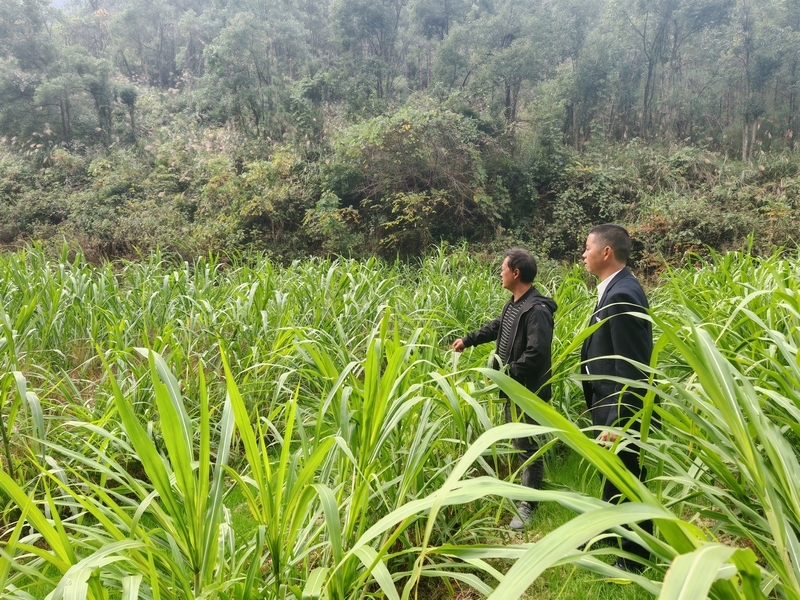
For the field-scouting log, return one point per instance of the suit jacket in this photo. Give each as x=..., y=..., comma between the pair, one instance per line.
x=624, y=335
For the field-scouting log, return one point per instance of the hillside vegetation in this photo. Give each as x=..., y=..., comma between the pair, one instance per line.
x=383, y=126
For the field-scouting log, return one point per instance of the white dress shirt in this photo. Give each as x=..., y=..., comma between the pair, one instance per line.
x=601, y=287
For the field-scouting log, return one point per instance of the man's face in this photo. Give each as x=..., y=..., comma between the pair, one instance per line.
x=595, y=256
x=508, y=276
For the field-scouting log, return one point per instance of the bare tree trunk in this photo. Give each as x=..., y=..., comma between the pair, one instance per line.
x=575, y=126
x=745, y=138
x=648, y=90
x=792, y=105
x=611, y=116
x=66, y=124
x=512, y=96
x=133, y=125
x=746, y=114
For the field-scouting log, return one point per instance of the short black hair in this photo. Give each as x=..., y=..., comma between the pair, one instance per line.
x=519, y=258
x=615, y=237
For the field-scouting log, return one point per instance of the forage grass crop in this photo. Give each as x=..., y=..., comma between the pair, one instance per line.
x=231, y=430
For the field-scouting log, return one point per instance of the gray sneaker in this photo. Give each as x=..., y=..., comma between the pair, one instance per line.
x=524, y=517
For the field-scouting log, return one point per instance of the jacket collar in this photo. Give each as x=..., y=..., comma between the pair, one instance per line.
x=617, y=278
x=526, y=299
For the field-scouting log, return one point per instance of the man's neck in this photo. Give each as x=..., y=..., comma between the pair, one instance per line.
x=520, y=290
x=608, y=272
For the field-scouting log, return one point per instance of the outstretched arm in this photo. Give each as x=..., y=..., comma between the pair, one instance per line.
x=487, y=333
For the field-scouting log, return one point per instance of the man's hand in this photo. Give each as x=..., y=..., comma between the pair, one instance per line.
x=607, y=436
x=458, y=345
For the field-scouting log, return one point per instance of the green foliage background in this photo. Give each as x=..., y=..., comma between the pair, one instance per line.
x=355, y=127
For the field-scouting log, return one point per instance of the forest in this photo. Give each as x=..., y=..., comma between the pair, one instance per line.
x=364, y=127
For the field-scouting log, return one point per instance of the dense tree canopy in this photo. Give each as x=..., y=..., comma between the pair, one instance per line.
x=501, y=97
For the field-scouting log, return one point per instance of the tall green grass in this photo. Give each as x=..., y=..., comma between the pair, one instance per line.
x=140, y=399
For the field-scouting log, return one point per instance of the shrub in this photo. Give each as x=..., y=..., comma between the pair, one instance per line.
x=589, y=192
x=672, y=224
x=332, y=229
x=420, y=152
x=419, y=220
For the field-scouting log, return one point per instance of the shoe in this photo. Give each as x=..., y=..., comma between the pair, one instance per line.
x=628, y=566
x=523, y=518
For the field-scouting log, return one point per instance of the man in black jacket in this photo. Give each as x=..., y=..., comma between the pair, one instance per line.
x=524, y=335
x=622, y=340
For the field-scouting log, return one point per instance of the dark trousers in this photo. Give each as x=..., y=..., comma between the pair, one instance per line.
x=532, y=474
x=630, y=458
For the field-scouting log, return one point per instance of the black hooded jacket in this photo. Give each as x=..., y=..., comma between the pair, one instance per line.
x=530, y=354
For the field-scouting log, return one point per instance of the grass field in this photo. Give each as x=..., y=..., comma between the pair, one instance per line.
x=245, y=430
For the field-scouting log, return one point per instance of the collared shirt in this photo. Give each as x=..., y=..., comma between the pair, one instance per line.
x=601, y=287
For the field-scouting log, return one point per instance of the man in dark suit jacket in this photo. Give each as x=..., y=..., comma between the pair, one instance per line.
x=623, y=337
